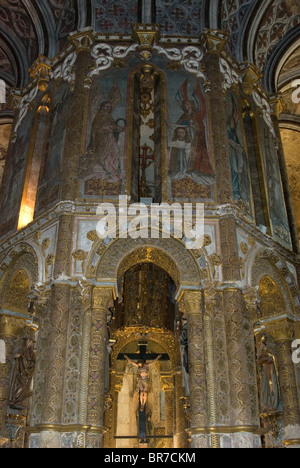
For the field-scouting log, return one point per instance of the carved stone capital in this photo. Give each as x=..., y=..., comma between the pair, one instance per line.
x=276, y=106
x=11, y=326
x=192, y=302
x=252, y=301
x=167, y=383
x=83, y=40
x=146, y=35
x=40, y=71
x=102, y=297
x=214, y=41
x=250, y=77
x=281, y=331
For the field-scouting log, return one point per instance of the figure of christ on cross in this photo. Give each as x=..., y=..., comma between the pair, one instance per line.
x=143, y=381
x=143, y=361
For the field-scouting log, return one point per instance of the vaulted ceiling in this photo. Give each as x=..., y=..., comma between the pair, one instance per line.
x=260, y=32
x=266, y=33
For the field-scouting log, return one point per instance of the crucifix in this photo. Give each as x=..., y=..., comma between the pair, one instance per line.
x=142, y=357
x=147, y=11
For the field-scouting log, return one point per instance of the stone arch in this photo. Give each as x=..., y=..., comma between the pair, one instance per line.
x=268, y=271
x=169, y=254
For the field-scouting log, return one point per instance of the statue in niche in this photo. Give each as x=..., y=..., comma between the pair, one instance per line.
x=103, y=158
x=269, y=385
x=22, y=375
x=188, y=140
x=143, y=383
x=184, y=347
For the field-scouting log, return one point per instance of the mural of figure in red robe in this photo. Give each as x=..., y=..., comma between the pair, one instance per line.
x=189, y=157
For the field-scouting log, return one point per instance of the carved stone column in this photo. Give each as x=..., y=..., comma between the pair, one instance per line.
x=198, y=389
x=59, y=310
x=283, y=334
x=96, y=380
x=209, y=313
x=180, y=440
x=242, y=367
x=168, y=388
x=54, y=388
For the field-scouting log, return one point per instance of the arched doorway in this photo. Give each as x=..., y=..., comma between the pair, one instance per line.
x=145, y=333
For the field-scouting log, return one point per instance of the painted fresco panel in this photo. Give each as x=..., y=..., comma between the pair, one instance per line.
x=102, y=166
x=191, y=174
x=277, y=207
x=239, y=164
x=14, y=184
x=48, y=193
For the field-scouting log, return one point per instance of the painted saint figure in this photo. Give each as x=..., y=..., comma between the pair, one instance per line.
x=143, y=380
x=189, y=156
x=103, y=156
x=238, y=157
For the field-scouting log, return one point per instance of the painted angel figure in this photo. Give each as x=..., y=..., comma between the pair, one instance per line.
x=143, y=380
x=103, y=155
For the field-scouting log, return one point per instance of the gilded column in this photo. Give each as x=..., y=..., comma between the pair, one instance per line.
x=59, y=318
x=59, y=310
x=242, y=370
x=283, y=334
x=210, y=305
x=96, y=377
x=180, y=422
x=168, y=388
x=197, y=376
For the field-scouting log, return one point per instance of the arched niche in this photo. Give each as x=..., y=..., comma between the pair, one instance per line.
x=17, y=281
x=272, y=286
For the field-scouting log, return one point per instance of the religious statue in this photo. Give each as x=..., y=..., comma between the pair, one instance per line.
x=184, y=348
x=185, y=345
x=22, y=374
x=143, y=380
x=269, y=386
